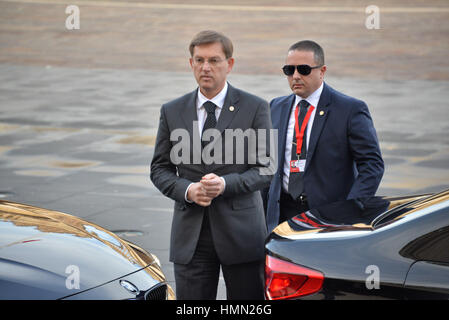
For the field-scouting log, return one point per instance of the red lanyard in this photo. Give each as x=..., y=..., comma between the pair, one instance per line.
x=300, y=134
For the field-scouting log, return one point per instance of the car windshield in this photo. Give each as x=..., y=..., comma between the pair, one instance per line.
x=400, y=211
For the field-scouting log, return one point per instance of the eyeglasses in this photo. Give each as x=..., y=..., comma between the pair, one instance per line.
x=212, y=62
x=303, y=69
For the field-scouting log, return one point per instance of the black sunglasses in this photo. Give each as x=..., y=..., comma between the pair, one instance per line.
x=303, y=69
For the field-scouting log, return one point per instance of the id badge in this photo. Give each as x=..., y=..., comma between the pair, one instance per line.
x=297, y=165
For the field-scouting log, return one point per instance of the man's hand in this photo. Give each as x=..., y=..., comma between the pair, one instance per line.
x=213, y=185
x=197, y=194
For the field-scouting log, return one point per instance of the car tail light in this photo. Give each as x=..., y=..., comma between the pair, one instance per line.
x=285, y=280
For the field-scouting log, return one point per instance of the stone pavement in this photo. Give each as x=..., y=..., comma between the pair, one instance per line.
x=79, y=110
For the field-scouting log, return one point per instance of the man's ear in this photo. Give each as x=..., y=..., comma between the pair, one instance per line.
x=230, y=64
x=323, y=71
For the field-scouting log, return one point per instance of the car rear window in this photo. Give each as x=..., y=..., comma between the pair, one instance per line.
x=404, y=210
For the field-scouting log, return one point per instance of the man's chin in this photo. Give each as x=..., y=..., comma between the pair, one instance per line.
x=206, y=84
x=300, y=92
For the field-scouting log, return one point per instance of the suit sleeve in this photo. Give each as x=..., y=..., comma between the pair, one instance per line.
x=163, y=172
x=366, y=152
x=259, y=175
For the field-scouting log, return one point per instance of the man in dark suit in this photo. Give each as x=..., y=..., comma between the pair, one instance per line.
x=327, y=145
x=218, y=213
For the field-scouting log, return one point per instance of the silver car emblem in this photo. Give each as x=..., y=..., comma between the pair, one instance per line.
x=129, y=286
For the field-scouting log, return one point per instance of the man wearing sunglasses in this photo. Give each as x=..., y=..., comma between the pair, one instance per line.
x=327, y=145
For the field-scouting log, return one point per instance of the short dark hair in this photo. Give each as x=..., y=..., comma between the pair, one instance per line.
x=210, y=36
x=309, y=45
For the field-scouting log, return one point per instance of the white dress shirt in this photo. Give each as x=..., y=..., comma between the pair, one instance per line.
x=201, y=112
x=313, y=100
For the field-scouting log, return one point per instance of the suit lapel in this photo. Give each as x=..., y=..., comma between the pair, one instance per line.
x=283, y=127
x=226, y=117
x=190, y=117
x=227, y=113
x=318, y=123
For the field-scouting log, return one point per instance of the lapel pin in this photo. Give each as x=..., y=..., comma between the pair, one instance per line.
x=321, y=112
x=231, y=108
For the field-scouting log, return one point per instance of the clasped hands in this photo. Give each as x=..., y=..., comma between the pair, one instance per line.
x=204, y=191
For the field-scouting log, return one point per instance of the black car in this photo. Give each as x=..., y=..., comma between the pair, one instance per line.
x=47, y=255
x=373, y=248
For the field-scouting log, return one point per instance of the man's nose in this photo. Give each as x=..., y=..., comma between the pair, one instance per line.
x=206, y=65
x=296, y=74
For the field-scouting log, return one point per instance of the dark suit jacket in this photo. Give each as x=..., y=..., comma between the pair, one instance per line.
x=343, y=159
x=236, y=217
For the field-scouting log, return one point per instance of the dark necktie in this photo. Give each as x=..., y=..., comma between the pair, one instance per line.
x=295, y=181
x=211, y=121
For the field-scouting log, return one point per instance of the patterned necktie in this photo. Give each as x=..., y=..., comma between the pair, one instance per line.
x=211, y=120
x=295, y=181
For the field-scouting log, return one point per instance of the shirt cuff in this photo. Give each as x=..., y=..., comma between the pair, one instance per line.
x=224, y=184
x=185, y=195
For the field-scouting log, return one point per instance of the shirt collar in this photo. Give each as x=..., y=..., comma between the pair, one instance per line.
x=314, y=98
x=218, y=100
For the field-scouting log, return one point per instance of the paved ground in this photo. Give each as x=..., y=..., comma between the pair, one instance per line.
x=79, y=109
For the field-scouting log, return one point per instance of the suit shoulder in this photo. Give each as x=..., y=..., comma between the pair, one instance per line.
x=179, y=102
x=343, y=99
x=246, y=96
x=279, y=101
